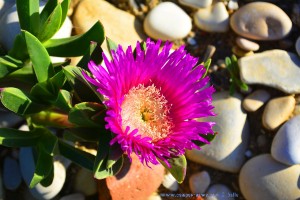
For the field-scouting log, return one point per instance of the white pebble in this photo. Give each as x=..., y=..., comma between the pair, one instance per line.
x=170, y=182
x=199, y=182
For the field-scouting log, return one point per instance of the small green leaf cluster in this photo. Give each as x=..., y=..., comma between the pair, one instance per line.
x=235, y=81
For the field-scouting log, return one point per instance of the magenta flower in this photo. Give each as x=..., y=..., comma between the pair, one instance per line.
x=153, y=99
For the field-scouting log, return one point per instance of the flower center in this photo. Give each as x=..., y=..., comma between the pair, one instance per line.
x=145, y=109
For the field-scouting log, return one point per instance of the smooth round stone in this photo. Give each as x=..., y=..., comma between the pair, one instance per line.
x=170, y=182
x=120, y=26
x=167, y=21
x=241, y=52
x=212, y=19
x=256, y=100
x=297, y=46
x=220, y=192
x=261, y=21
x=196, y=3
x=5, y=5
x=27, y=166
x=154, y=196
x=274, y=68
x=277, y=111
x=286, y=143
x=264, y=178
x=226, y=151
x=85, y=182
x=246, y=44
x=199, y=182
x=11, y=173
x=76, y=196
x=233, y=5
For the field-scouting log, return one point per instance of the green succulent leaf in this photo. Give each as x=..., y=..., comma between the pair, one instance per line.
x=79, y=157
x=48, y=141
x=65, y=4
x=178, y=167
x=16, y=138
x=111, y=45
x=64, y=100
x=48, y=179
x=206, y=66
x=100, y=167
x=83, y=114
x=9, y=65
x=43, y=167
x=84, y=91
x=76, y=45
x=115, y=153
x=47, y=10
x=208, y=137
x=83, y=134
x=51, y=25
x=95, y=54
x=40, y=59
x=29, y=17
x=17, y=101
x=19, y=49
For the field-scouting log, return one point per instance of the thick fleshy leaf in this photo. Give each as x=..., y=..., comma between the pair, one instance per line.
x=48, y=179
x=9, y=65
x=17, y=101
x=19, y=50
x=47, y=10
x=111, y=45
x=115, y=153
x=100, y=167
x=85, y=92
x=17, y=138
x=50, y=118
x=43, y=167
x=178, y=167
x=39, y=57
x=64, y=100
x=48, y=141
x=51, y=25
x=76, y=45
x=83, y=114
x=84, y=134
x=208, y=137
x=79, y=157
x=65, y=4
x=29, y=17
x=95, y=54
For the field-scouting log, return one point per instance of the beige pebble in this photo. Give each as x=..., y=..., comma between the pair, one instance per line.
x=241, y=52
x=199, y=182
x=196, y=3
x=246, y=44
x=255, y=100
x=85, y=182
x=261, y=21
x=278, y=111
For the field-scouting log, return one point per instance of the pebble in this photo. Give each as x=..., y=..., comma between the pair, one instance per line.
x=212, y=19
x=261, y=21
x=241, y=52
x=120, y=26
x=27, y=170
x=196, y=3
x=220, y=192
x=11, y=173
x=167, y=21
x=85, y=183
x=297, y=46
x=262, y=177
x=75, y=196
x=286, y=143
x=5, y=5
x=246, y=44
x=170, y=182
x=9, y=119
x=199, y=182
x=274, y=68
x=233, y=5
x=154, y=196
x=256, y=100
x=226, y=151
x=277, y=111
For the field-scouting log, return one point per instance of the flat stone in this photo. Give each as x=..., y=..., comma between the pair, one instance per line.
x=167, y=21
x=286, y=143
x=11, y=173
x=27, y=166
x=199, y=182
x=264, y=178
x=297, y=46
x=135, y=181
x=274, y=68
x=85, y=182
x=277, y=111
x=226, y=151
x=170, y=182
x=241, y=52
x=261, y=21
x=212, y=19
x=256, y=100
x=246, y=44
x=196, y=3
x=219, y=192
x=120, y=26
